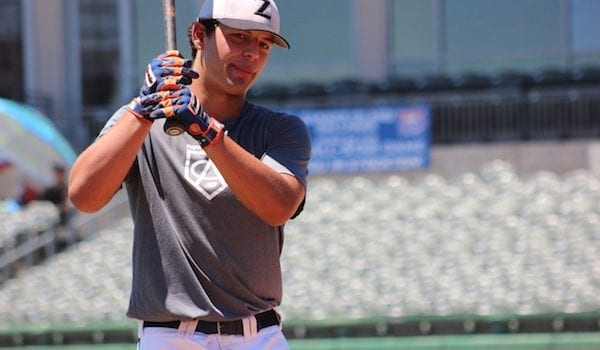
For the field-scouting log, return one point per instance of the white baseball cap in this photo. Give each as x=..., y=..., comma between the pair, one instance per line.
x=260, y=15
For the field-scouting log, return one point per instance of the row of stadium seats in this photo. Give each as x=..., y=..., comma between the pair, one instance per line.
x=19, y=224
x=89, y=282
x=431, y=83
x=490, y=242
x=487, y=243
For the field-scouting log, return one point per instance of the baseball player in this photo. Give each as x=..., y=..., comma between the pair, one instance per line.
x=209, y=206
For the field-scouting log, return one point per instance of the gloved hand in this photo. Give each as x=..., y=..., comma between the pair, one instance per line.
x=183, y=107
x=167, y=72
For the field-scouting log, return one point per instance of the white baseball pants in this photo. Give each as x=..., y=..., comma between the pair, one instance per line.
x=185, y=338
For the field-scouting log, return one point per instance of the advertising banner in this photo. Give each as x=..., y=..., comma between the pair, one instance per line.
x=368, y=139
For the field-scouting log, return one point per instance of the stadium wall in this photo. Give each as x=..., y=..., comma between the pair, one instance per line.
x=527, y=157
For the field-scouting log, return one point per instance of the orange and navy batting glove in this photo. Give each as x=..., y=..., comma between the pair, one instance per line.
x=183, y=107
x=167, y=72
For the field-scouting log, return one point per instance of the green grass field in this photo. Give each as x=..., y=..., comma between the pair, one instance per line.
x=558, y=341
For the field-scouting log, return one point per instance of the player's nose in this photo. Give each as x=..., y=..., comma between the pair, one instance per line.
x=252, y=49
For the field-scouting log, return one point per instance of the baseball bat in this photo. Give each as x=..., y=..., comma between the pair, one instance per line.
x=170, y=127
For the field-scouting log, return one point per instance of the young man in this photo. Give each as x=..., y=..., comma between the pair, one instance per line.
x=209, y=205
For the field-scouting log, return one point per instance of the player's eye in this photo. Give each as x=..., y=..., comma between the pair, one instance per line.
x=266, y=45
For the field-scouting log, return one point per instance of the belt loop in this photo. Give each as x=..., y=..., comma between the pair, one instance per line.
x=182, y=329
x=279, y=323
x=192, y=327
x=250, y=327
x=187, y=328
x=140, y=329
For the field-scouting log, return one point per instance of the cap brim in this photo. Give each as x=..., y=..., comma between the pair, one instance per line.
x=250, y=25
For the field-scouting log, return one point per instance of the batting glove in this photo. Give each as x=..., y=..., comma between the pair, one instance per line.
x=183, y=107
x=166, y=72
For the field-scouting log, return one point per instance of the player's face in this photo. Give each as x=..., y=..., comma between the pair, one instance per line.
x=237, y=57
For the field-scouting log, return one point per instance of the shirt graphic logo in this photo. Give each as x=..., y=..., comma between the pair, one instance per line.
x=202, y=173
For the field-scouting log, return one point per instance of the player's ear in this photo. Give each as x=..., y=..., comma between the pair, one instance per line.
x=197, y=33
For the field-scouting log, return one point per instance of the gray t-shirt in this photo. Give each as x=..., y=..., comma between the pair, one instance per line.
x=197, y=251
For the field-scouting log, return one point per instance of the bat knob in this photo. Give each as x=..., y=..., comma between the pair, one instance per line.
x=172, y=128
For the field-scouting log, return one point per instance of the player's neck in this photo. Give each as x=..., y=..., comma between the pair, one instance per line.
x=221, y=106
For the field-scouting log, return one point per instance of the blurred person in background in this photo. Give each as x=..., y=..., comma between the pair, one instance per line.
x=57, y=193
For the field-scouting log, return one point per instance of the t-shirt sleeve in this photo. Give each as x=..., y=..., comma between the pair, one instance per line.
x=289, y=147
x=113, y=119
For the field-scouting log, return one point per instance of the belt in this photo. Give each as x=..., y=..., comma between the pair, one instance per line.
x=263, y=320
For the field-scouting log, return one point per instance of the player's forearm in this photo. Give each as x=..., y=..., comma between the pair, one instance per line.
x=99, y=171
x=272, y=196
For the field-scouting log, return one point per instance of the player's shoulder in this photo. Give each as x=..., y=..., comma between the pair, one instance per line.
x=268, y=114
x=114, y=118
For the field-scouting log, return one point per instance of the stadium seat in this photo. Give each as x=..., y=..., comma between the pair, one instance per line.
x=18, y=226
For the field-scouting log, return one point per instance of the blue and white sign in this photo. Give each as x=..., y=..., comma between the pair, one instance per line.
x=368, y=139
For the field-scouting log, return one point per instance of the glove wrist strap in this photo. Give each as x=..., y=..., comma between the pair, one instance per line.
x=217, y=133
x=133, y=107
x=213, y=133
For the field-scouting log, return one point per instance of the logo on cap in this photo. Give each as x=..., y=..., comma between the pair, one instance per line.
x=262, y=9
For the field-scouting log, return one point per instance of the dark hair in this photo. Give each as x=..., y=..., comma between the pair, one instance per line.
x=209, y=28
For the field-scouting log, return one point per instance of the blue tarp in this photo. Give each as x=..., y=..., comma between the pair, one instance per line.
x=31, y=143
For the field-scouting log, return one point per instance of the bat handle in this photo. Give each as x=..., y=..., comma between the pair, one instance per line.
x=171, y=127
x=169, y=23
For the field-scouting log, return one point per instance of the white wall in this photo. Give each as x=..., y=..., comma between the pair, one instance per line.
x=526, y=157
